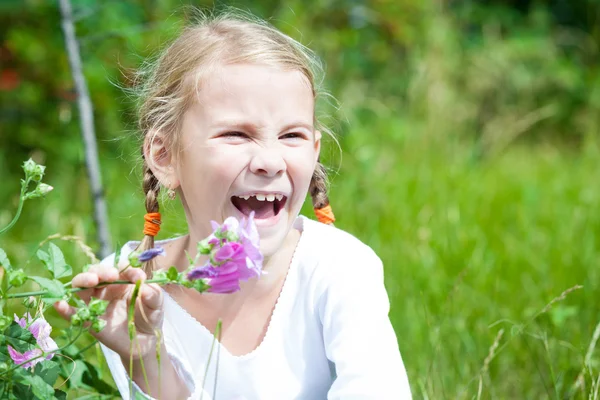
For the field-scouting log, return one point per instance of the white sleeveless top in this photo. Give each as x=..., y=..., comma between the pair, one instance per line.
x=329, y=336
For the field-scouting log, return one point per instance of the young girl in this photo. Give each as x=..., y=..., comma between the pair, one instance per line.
x=228, y=120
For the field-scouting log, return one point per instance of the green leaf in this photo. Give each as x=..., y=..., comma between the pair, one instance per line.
x=117, y=255
x=55, y=262
x=48, y=370
x=17, y=337
x=172, y=274
x=29, y=386
x=21, y=388
x=131, y=314
x=55, y=288
x=91, y=378
x=43, y=257
x=40, y=388
x=4, y=261
x=60, y=395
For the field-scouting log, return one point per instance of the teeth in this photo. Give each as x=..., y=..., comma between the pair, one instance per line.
x=262, y=197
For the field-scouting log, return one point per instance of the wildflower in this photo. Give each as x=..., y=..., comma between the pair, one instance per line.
x=19, y=358
x=136, y=258
x=234, y=255
x=151, y=253
x=40, y=329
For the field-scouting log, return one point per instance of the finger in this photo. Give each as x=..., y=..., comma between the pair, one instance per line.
x=122, y=264
x=152, y=296
x=133, y=275
x=106, y=273
x=85, y=280
x=64, y=309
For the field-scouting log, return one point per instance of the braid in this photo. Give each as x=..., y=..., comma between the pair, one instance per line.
x=318, y=193
x=151, y=187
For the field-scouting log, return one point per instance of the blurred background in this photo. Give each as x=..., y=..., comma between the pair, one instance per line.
x=469, y=135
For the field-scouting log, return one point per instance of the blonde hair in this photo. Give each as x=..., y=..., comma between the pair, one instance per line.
x=168, y=85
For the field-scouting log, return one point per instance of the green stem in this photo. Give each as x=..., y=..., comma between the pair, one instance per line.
x=19, y=209
x=74, y=290
x=89, y=346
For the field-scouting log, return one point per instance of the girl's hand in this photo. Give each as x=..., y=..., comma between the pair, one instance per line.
x=148, y=310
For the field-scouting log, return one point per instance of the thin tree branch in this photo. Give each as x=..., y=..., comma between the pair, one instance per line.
x=86, y=119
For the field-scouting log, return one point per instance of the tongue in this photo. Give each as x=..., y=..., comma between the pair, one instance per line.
x=262, y=209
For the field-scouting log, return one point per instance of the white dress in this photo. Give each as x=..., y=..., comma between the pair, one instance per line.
x=329, y=337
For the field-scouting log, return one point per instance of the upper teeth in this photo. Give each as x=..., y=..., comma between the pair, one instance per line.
x=263, y=197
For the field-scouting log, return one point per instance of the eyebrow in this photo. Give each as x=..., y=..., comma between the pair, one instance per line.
x=255, y=127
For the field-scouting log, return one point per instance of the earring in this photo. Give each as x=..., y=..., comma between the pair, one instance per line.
x=171, y=194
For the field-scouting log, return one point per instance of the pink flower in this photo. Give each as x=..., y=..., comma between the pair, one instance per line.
x=40, y=329
x=19, y=358
x=234, y=255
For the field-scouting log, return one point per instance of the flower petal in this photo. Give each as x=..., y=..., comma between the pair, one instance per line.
x=151, y=253
x=19, y=358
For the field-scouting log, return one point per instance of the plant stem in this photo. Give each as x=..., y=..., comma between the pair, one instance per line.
x=79, y=289
x=19, y=209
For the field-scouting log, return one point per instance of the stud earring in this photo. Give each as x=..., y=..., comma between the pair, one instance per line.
x=171, y=194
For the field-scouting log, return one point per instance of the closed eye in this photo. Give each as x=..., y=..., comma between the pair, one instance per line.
x=233, y=135
x=293, y=135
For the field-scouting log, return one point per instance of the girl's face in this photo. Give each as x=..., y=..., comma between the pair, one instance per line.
x=248, y=144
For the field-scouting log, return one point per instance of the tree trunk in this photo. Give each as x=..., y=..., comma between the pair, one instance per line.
x=86, y=119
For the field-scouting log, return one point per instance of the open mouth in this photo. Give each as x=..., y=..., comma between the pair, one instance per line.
x=264, y=205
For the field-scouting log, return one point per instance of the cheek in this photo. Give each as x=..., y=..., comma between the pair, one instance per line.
x=300, y=169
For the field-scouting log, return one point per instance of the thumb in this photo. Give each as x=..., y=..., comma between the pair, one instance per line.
x=152, y=296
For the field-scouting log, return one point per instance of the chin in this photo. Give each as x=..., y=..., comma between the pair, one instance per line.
x=271, y=241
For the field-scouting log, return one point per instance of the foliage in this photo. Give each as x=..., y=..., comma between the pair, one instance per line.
x=469, y=136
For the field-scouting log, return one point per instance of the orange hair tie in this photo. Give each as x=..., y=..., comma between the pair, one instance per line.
x=325, y=215
x=151, y=224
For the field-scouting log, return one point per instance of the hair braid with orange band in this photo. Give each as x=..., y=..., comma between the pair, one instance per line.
x=151, y=187
x=318, y=193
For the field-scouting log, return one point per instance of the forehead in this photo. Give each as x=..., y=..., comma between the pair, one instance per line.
x=254, y=91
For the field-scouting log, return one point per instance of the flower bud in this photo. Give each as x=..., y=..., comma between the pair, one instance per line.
x=44, y=189
x=75, y=320
x=40, y=191
x=97, y=306
x=33, y=171
x=98, y=324
x=134, y=259
x=5, y=322
x=204, y=247
x=17, y=277
x=84, y=314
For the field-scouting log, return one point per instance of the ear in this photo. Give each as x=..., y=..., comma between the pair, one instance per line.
x=160, y=160
x=317, y=146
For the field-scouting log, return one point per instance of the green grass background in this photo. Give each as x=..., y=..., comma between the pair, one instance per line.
x=469, y=161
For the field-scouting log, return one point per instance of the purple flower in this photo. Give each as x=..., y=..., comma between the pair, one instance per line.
x=234, y=255
x=136, y=258
x=22, y=321
x=40, y=329
x=229, y=251
x=151, y=253
x=19, y=358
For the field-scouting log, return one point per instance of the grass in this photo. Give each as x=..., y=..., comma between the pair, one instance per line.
x=477, y=254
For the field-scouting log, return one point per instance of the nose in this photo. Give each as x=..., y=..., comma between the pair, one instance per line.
x=267, y=162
